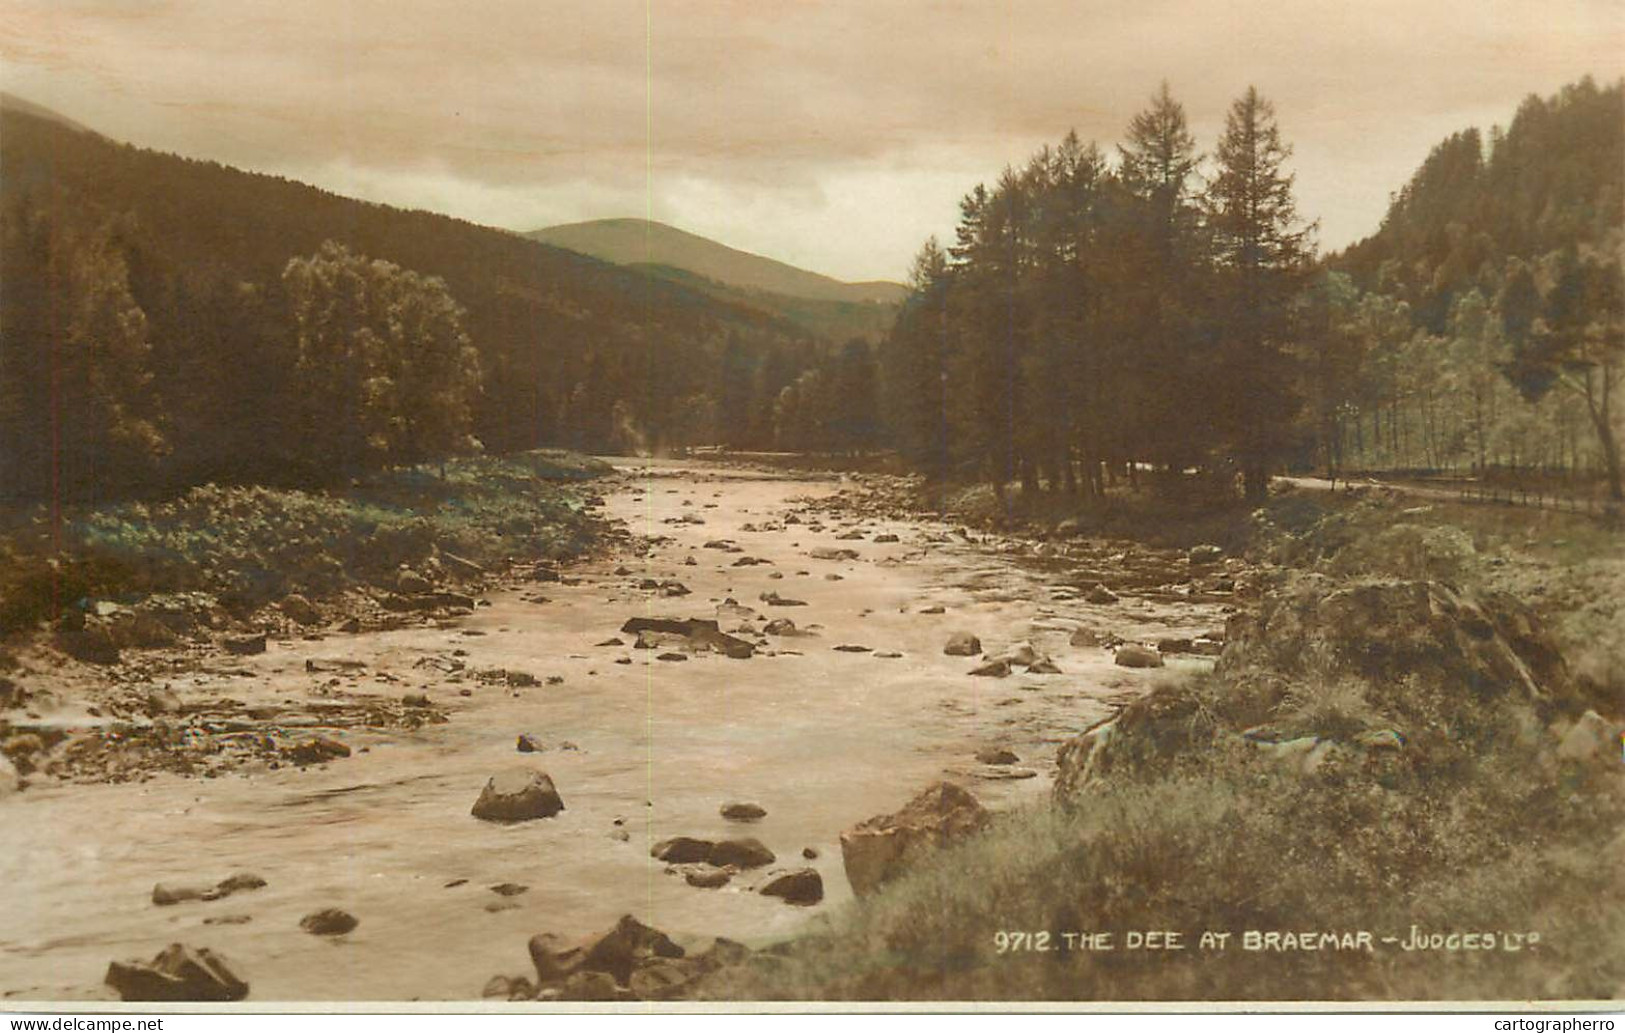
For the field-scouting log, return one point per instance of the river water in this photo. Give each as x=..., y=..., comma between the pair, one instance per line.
x=821, y=740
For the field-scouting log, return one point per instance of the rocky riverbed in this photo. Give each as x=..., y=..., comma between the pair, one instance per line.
x=759, y=665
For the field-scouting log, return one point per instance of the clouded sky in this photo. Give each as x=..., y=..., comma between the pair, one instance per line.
x=834, y=134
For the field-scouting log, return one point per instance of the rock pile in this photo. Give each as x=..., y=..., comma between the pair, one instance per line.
x=631, y=962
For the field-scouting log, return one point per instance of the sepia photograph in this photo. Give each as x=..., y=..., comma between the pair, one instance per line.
x=552, y=506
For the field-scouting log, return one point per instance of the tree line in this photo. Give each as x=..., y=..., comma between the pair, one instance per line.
x=1153, y=311
x=1094, y=319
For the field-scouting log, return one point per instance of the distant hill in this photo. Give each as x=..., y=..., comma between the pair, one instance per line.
x=645, y=242
x=828, y=307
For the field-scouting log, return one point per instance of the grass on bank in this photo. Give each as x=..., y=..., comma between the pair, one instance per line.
x=249, y=545
x=1220, y=839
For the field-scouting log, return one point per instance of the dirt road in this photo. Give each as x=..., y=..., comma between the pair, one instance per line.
x=640, y=749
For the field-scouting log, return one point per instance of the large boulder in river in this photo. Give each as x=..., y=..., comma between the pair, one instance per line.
x=803, y=887
x=881, y=848
x=682, y=850
x=741, y=853
x=520, y=794
x=178, y=973
x=701, y=633
x=962, y=643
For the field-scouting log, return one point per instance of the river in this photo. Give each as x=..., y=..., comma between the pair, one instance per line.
x=818, y=737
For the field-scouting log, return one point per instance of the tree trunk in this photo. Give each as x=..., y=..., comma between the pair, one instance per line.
x=1255, y=481
x=1610, y=454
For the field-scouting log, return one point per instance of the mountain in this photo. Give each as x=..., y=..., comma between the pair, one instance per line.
x=645, y=242
x=824, y=306
x=187, y=258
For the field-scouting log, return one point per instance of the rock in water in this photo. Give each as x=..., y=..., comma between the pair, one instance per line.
x=620, y=950
x=743, y=811
x=707, y=877
x=178, y=973
x=824, y=552
x=682, y=850
x=993, y=669
x=1137, y=656
x=1100, y=595
x=963, y=643
x=879, y=849
x=244, y=645
x=741, y=853
x=698, y=631
x=239, y=882
x=518, y=795
x=996, y=755
x=164, y=895
x=329, y=921
x=803, y=887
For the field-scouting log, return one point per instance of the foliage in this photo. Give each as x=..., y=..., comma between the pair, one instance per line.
x=1485, y=322
x=250, y=544
x=211, y=361
x=1088, y=321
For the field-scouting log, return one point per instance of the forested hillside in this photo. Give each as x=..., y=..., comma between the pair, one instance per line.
x=1097, y=316
x=824, y=307
x=646, y=242
x=1480, y=326
x=169, y=321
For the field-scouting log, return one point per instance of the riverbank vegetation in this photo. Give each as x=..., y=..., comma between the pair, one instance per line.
x=248, y=546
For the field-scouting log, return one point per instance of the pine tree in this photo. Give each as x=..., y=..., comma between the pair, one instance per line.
x=1263, y=253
